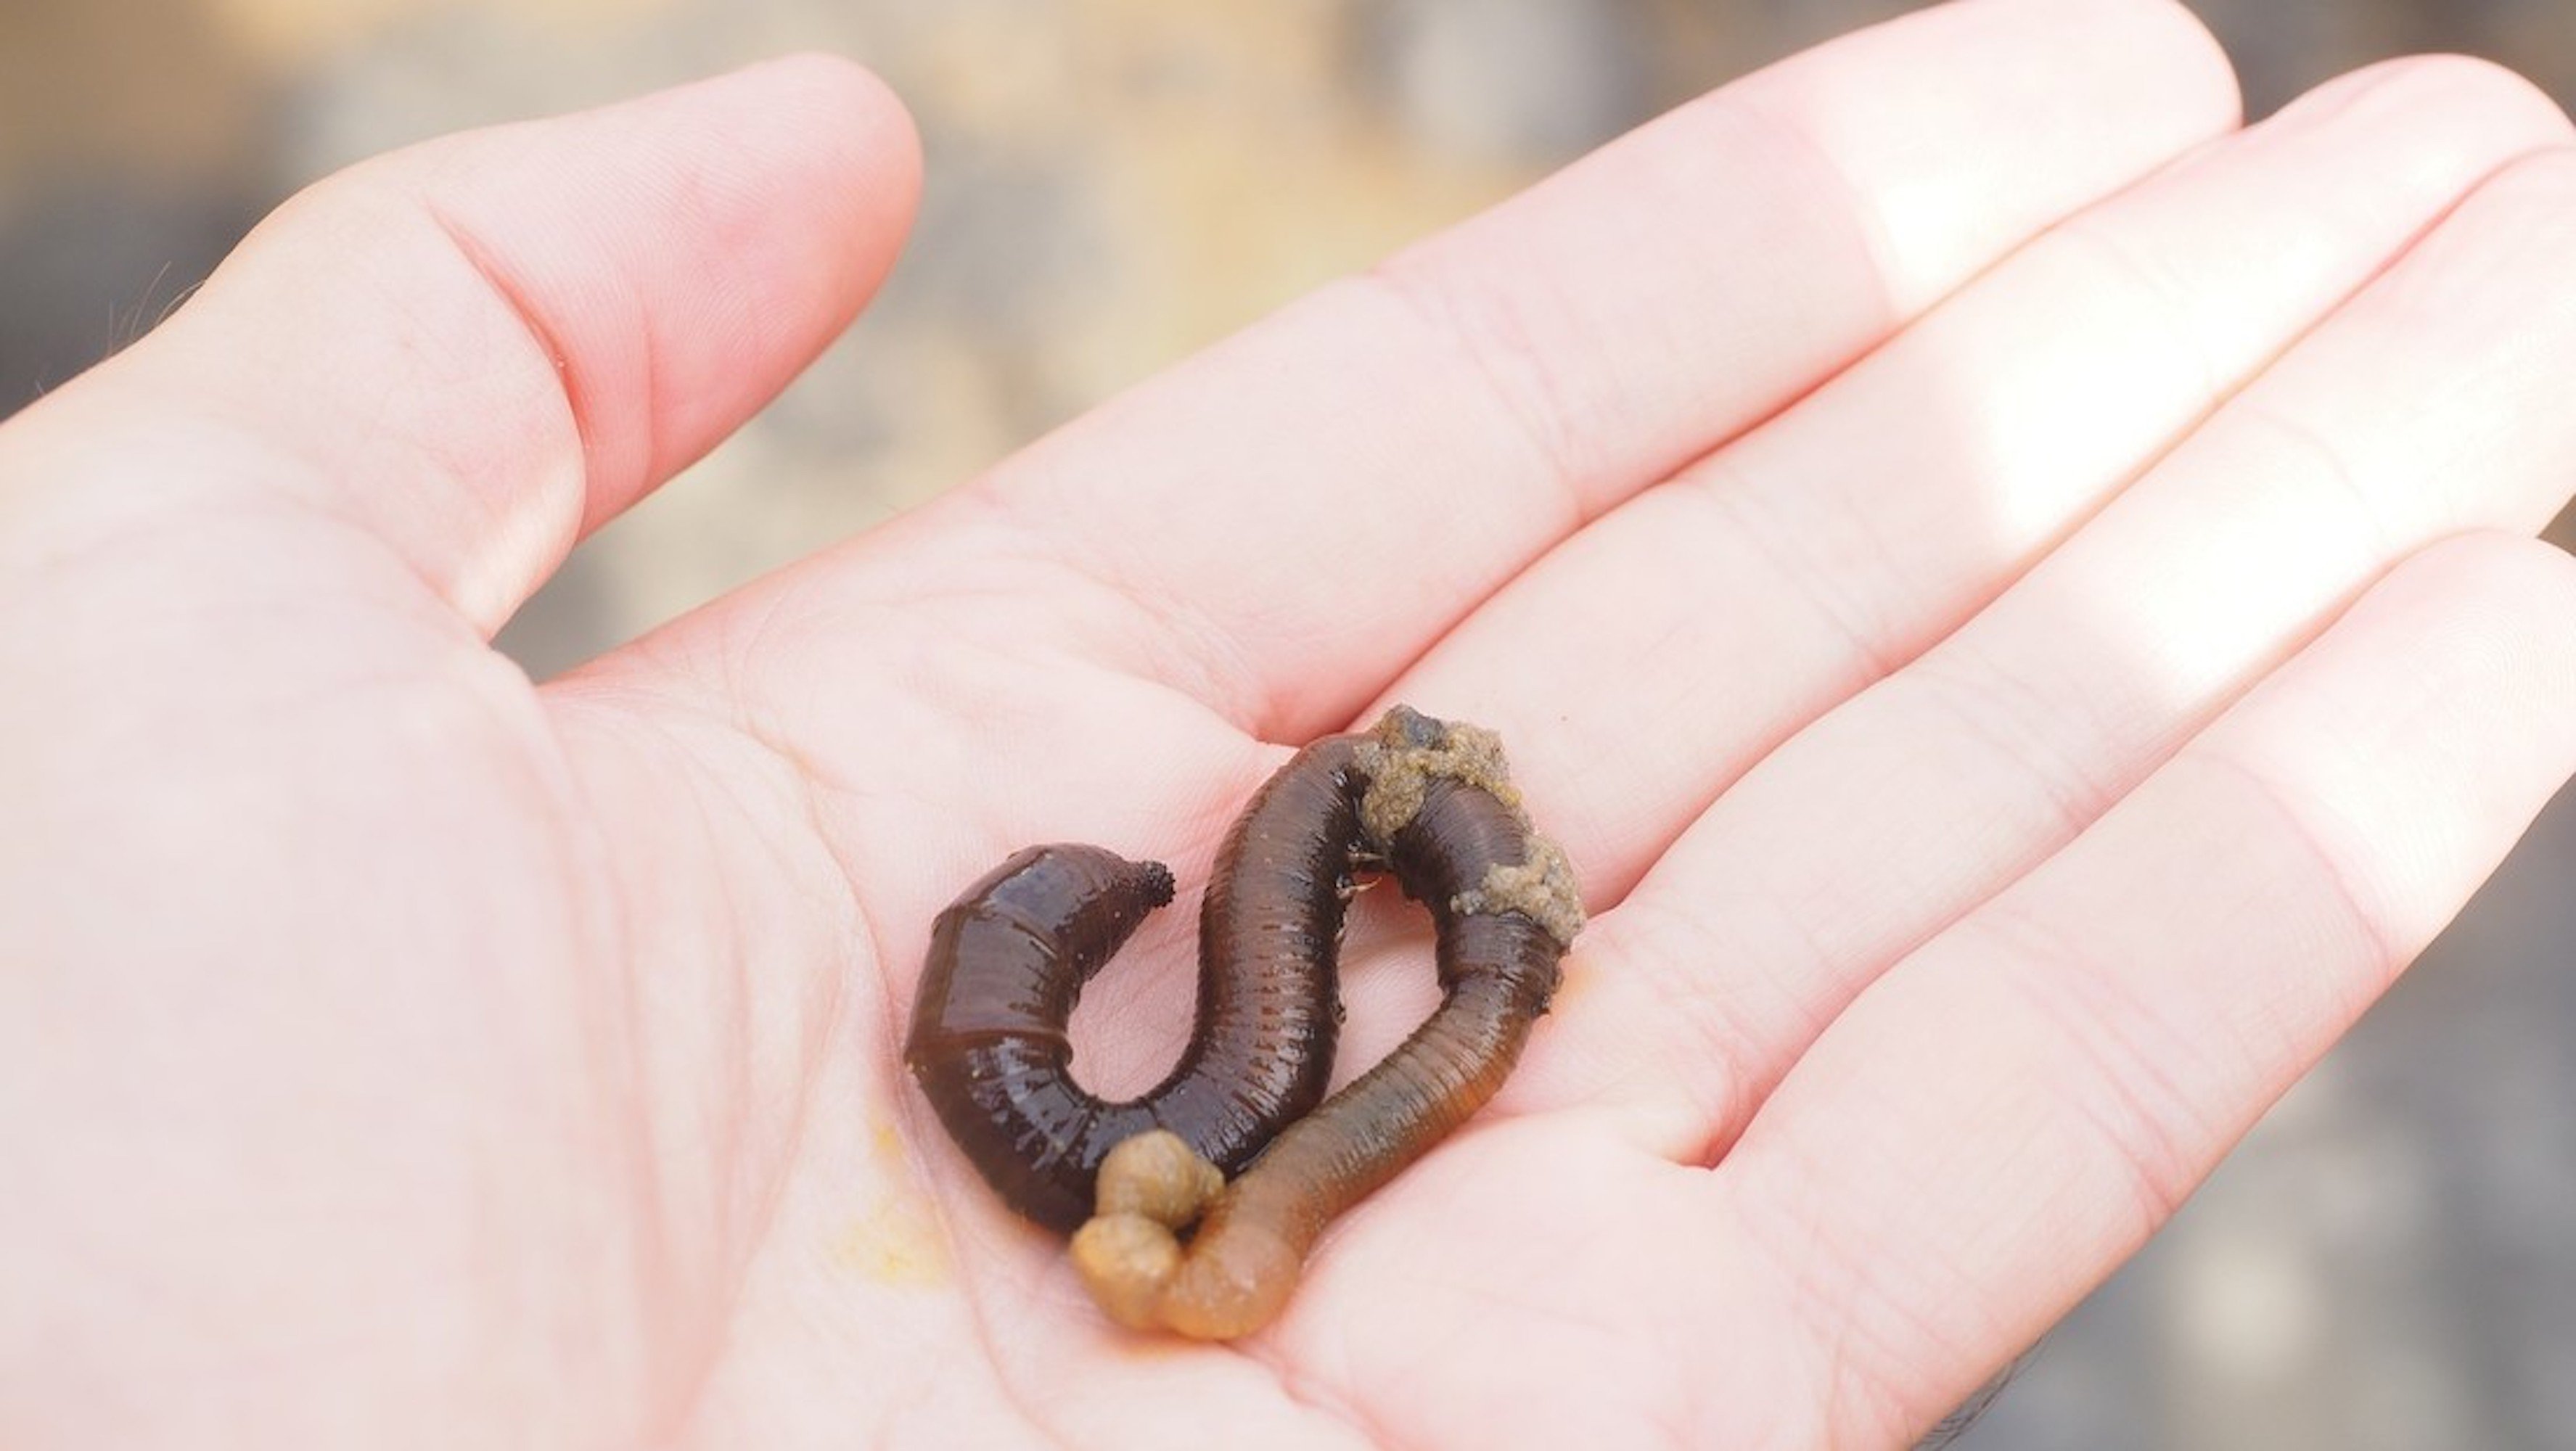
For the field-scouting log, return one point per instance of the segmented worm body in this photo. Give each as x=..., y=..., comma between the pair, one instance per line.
x=1009, y=957
x=1428, y=801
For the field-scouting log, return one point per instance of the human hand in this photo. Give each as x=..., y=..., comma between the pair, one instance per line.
x=2005, y=586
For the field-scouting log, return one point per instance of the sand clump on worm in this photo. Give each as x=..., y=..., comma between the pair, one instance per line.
x=1432, y=803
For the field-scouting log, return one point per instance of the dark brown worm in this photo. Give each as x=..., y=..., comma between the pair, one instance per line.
x=1429, y=801
x=1008, y=959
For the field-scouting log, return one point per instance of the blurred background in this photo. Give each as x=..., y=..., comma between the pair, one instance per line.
x=2387, y=1263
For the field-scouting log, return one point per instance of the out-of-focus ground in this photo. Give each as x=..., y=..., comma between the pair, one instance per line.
x=2387, y=1263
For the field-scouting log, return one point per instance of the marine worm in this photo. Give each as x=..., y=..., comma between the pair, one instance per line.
x=1430, y=802
x=1009, y=957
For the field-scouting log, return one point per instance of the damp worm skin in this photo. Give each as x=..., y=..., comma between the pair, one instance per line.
x=1429, y=802
x=1009, y=958
x=1498, y=969
x=988, y=1040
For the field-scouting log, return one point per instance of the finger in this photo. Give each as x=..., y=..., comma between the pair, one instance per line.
x=480, y=347
x=1714, y=615
x=2423, y=408
x=1994, y=1126
x=1278, y=527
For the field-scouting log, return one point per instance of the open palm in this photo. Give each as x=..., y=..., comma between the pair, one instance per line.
x=2013, y=592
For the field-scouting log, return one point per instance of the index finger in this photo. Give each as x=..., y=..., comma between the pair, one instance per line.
x=1281, y=525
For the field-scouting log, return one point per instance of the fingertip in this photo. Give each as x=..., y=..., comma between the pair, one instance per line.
x=2094, y=89
x=865, y=144
x=2498, y=557
x=2430, y=126
x=2436, y=717
x=2515, y=593
x=2164, y=42
x=2447, y=84
x=809, y=152
x=2175, y=34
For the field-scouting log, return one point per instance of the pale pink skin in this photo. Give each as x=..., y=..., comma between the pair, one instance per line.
x=2141, y=653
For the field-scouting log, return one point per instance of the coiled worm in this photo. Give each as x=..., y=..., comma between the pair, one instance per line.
x=1427, y=801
